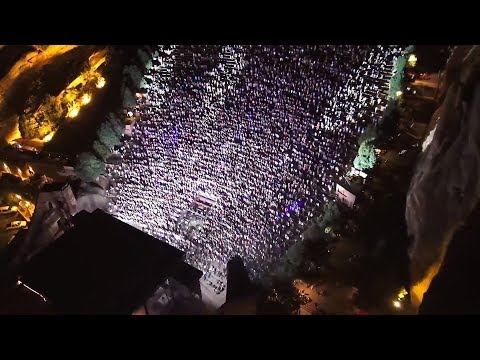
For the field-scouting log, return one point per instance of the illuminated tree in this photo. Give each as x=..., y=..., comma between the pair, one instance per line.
x=70, y=96
x=101, y=150
x=366, y=157
x=89, y=167
x=43, y=120
x=108, y=136
x=53, y=107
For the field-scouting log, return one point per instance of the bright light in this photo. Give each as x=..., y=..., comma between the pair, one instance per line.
x=412, y=60
x=138, y=95
x=73, y=112
x=45, y=139
x=429, y=138
x=101, y=82
x=399, y=93
x=18, y=196
x=397, y=304
x=86, y=99
x=34, y=291
x=130, y=114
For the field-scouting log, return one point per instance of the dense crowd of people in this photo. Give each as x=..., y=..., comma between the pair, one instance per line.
x=238, y=147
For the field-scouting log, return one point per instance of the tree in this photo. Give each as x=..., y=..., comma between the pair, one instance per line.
x=285, y=271
x=409, y=49
x=108, y=136
x=346, y=260
x=344, y=249
x=53, y=107
x=389, y=124
x=295, y=253
x=70, y=96
x=366, y=157
x=101, y=150
x=128, y=98
x=283, y=298
x=315, y=254
x=144, y=57
x=89, y=167
x=370, y=134
x=135, y=75
x=116, y=124
x=144, y=83
x=313, y=232
x=396, y=81
x=331, y=215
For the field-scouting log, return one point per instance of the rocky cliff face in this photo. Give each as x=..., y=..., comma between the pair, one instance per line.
x=446, y=185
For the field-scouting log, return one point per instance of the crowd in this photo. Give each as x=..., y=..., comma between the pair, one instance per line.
x=263, y=132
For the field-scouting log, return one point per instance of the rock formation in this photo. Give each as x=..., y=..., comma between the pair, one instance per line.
x=446, y=185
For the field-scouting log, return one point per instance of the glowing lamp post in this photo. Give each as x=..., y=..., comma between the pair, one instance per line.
x=397, y=304
x=48, y=138
x=73, y=112
x=412, y=60
x=101, y=83
x=86, y=99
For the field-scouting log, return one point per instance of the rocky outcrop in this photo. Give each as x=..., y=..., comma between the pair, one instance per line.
x=446, y=185
x=16, y=83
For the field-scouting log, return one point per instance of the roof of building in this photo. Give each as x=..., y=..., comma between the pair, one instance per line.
x=101, y=266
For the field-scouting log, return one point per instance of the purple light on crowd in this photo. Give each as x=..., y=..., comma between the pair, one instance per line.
x=294, y=206
x=170, y=136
